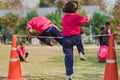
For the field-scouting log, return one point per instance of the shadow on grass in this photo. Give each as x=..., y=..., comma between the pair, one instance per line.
x=1, y=77
x=86, y=77
x=45, y=77
x=39, y=77
x=92, y=76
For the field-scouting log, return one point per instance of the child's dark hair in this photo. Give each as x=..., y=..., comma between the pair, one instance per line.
x=22, y=42
x=71, y=7
x=107, y=23
x=102, y=28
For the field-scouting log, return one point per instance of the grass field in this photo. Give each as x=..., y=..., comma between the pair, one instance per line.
x=47, y=63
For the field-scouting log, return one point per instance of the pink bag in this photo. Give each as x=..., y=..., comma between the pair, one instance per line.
x=103, y=51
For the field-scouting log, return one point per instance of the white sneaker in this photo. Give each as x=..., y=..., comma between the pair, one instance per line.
x=69, y=77
x=82, y=57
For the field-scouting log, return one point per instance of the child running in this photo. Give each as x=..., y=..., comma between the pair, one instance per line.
x=71, y=34
x=22, y=52
x=45, y=28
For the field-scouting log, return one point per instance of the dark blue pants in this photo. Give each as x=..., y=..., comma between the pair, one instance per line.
x=52, y=31
x=68, y=43
x=80, y=48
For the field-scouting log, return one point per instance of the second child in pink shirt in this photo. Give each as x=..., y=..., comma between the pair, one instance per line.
x=22, y=52
x=45, y=28
x=71, y=23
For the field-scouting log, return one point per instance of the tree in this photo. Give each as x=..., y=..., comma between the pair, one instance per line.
x=56, y=3
x=116, y=11
x=97, y=21
x=95, y=2
x=47, y=3
x=0, y=2
x=60, y=4
x=116, y=20
x=21, y=28
x=12, y=4
x=9, y=21
x=12, y=20
x=55, y=17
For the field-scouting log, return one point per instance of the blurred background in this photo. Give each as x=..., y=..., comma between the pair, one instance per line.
x=14, y=15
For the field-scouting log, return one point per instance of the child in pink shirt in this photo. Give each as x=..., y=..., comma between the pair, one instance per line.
x=107, y=28
x=71, y=22
x=45, y=28
x=22, y=52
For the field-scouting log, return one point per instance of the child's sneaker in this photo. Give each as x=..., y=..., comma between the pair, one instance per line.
x=69, y=77
x=82, y=57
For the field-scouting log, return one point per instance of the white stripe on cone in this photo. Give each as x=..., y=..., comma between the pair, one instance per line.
x=14, y=49
x=14, y=59
x=110, y=61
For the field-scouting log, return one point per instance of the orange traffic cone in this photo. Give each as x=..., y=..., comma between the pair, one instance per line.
x=111, y=71
x=14, y=65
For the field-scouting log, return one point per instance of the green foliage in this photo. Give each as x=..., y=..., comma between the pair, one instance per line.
x=55, y=17
x=116, y=11
x=2, y=6
x=114, y=23
x=60, y=4
x=83, y=13
x=10, y=20
x=13, y=4
x=80, y=2
x=31, y=14
x=21, y=29
x=46, y=3
x=97, y=21
x=116, y=20
x=85, y=30
x=95, y=2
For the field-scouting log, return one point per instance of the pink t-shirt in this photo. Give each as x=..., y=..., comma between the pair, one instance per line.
x=109, y=31
x=71, y=24
x=21, y=50
x=39, y=23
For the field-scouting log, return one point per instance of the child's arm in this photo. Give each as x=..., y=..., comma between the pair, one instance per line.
x=29, y=28
x=29, y=33
x=23, y=57
x=97, y=41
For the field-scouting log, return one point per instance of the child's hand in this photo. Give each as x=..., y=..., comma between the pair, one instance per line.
x=97, y=44
x=51, y=44
x=29, y=34
x=28, y=38
x=30, y=30
x=88, y=16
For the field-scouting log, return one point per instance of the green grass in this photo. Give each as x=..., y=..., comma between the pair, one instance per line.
x=47, y=63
